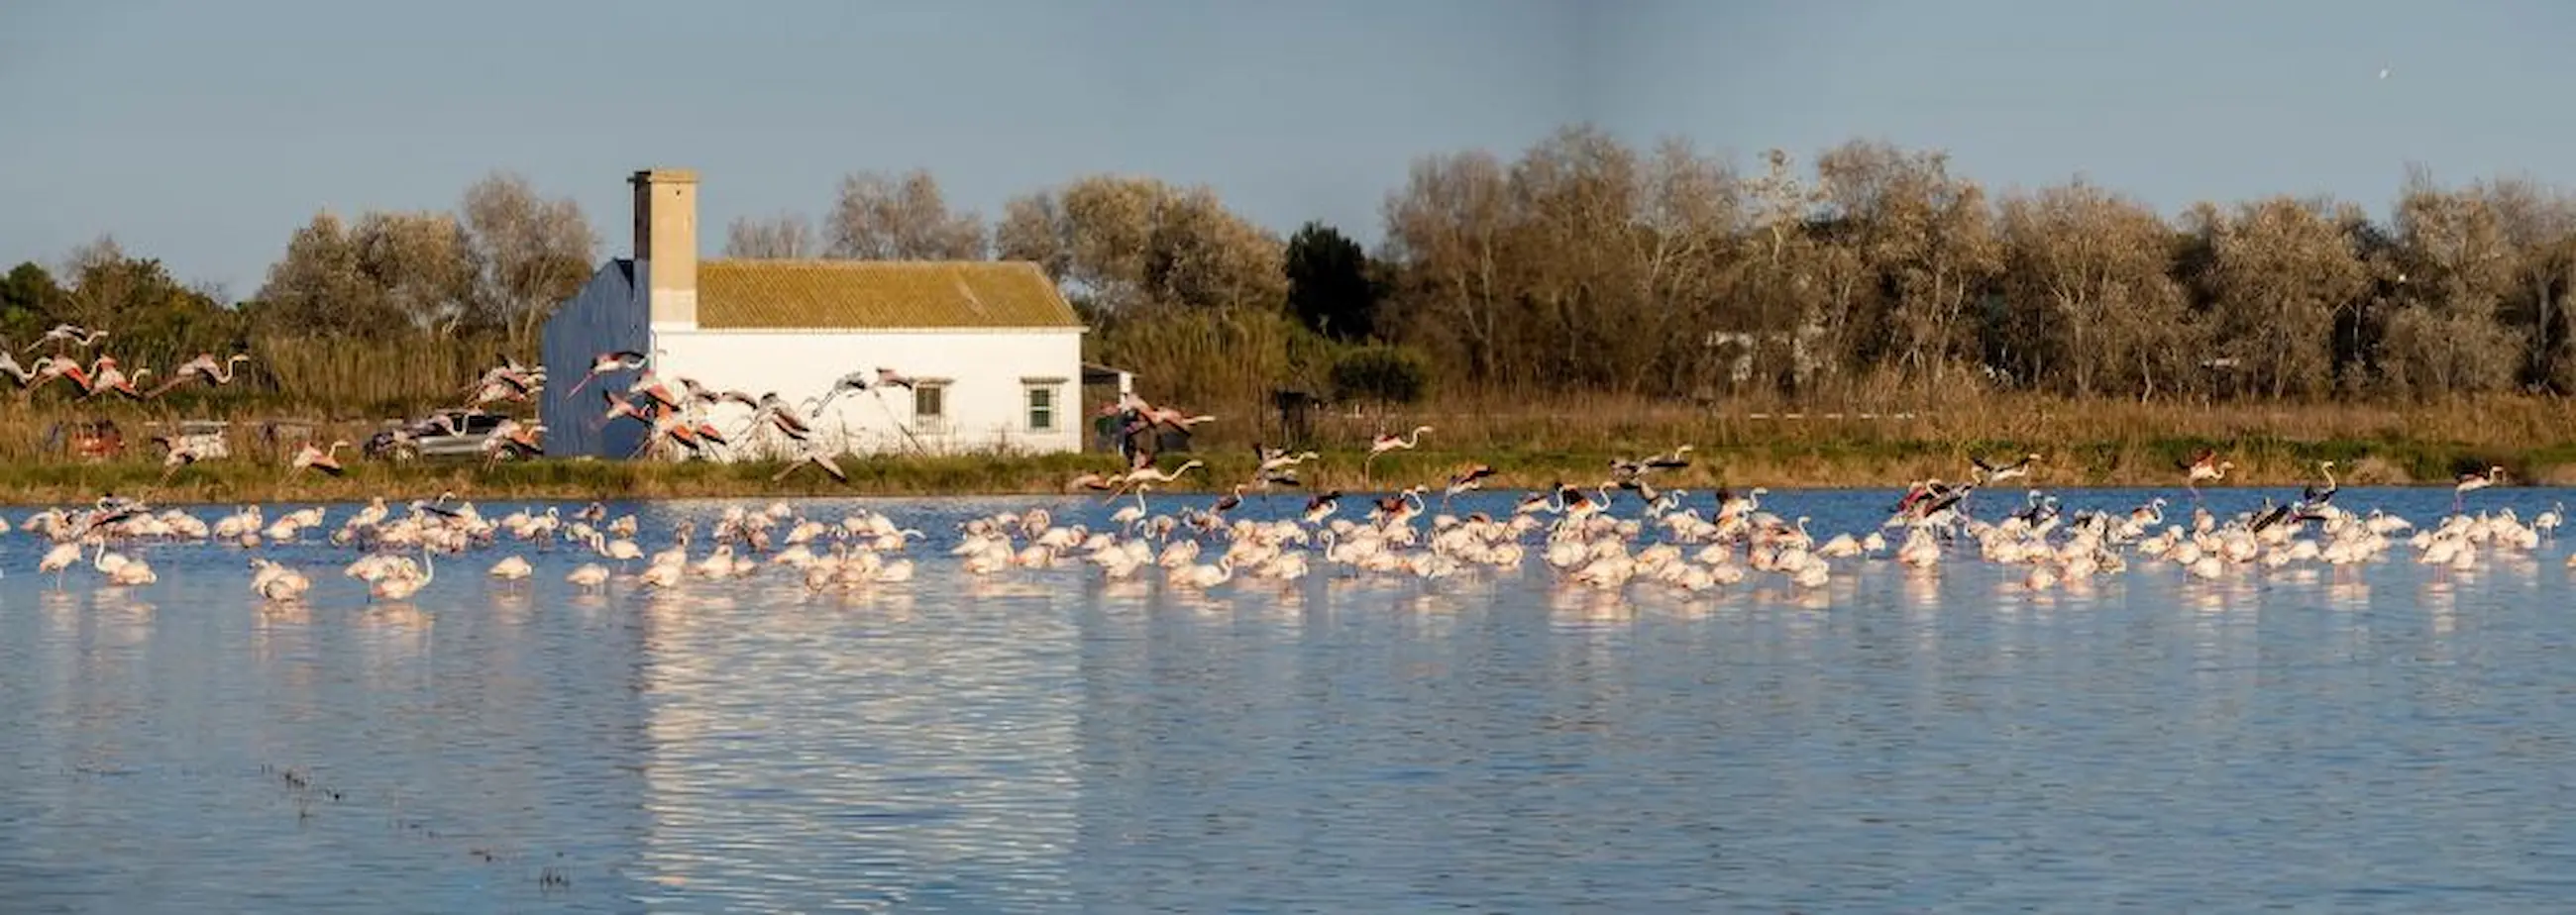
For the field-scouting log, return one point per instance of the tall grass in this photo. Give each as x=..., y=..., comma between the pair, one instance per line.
x=346, y=378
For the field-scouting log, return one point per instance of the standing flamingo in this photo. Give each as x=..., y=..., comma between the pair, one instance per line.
x=400, y=586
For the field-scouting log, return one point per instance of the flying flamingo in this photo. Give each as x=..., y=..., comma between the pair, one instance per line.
x=204, y=366
x=73, y=334
x=105, y=377
x=2473, y=481
x=816, y=458
x=176, y=454
x=1997, y=473
x=1148, y=474
x=58, y=367
x=620, y=406
x=1321, y=506
x=1390, y=442
x=2204, y=466
x=9, y=364
x=1227, y=502
x=317, y=458
x=1470, y=479
x=612, y=361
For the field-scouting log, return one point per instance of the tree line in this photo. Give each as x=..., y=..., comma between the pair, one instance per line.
x=1581, y=265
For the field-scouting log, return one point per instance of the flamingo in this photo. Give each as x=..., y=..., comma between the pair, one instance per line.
x=2473, y=481
x=175, y=454
x=1390, y=442
x=2204, y=466
x=513, y=568
x=310, y=456
x=204, y=366
x=1321, y=506
x=74, y=334
x=1472, y=478
x=1997, y=473
x=816, y=458
x=400, y=586
x=1132, y=514
x=1148, y=474
x=589, y=576
x=59, y=561
x=105, y=376
x=611, y=361
x=22, y=375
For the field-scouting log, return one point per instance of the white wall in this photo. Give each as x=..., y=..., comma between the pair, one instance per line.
x=606, y=315
x=986, y=405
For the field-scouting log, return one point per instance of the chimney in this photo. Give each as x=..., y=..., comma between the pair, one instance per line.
x=666, y=243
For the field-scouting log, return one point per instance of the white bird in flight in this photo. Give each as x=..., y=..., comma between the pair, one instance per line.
x=2383, y=73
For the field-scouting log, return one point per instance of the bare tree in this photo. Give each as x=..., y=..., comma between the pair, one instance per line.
x=422, y=263
x=1131, y=243
x=785, y=236
x=2283, y=268
x=1451, y=226
x=2094, y=307
x=321, y=286
x=1033, y=228
x=533, y=252
x=887, y=217
x=2539, y=227
x=2445, y=337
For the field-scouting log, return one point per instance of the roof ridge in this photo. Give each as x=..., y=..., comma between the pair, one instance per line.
x=823, y=293
x=852, y=262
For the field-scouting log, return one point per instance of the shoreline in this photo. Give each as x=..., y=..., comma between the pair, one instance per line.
x=1805, y=466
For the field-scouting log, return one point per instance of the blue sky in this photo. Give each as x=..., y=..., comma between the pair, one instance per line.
x=204, y=133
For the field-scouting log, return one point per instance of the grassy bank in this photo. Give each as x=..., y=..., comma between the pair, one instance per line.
x=1781, y=465
x=1531, y=442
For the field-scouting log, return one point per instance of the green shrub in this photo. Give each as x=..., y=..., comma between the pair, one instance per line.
x=1384, y=374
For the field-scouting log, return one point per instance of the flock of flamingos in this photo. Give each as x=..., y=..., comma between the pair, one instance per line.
x=1622, y=533
x=1582, y=536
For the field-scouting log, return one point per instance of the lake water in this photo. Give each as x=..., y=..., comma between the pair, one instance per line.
x=2386, y=736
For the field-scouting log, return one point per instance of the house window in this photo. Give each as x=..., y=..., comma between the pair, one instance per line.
x=929, y=402
x=1041, y=408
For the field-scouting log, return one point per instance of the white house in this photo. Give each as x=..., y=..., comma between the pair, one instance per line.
x=995, y=351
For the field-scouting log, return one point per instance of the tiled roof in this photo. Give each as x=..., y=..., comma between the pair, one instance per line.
x=742, y=294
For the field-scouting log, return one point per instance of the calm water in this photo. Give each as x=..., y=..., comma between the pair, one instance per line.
x=2377, y=737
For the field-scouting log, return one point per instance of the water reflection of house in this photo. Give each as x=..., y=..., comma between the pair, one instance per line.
x=821, y=758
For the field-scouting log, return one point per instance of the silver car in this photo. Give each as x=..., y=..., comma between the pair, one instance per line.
x=445, y=434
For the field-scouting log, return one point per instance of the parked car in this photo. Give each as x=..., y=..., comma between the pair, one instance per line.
x=206, y=437
x=91, y=440
x=447, y=433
